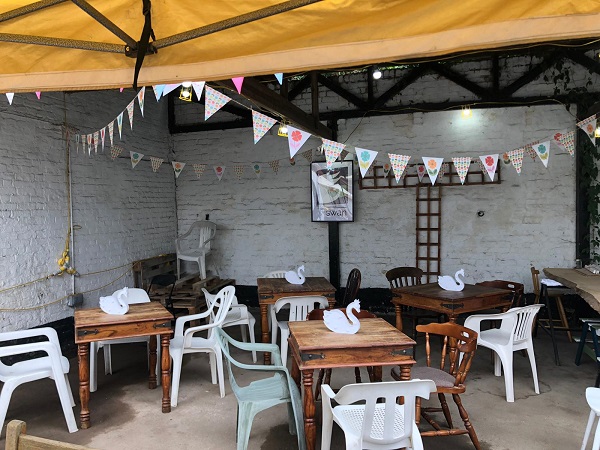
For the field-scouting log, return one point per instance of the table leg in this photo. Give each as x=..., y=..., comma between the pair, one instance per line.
x=83, y=353
x=165, y=366
x=405, y=372
x=544, y=292
x=398, y=309
x=310, y=427
x=331, y=301
x=377, y=373
x=152, y=379
x=264, y=325
x=296, y=373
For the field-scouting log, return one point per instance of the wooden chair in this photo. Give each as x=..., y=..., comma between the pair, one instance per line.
x=352, y=287
x=459, y=344
x=517, y=289
x=409, y=276
x=325, y=374
x=17, y=439
x=556, y=293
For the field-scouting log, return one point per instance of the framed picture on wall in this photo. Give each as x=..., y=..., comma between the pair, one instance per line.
x=332, y=192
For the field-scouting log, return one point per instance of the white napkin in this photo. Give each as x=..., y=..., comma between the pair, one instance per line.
x=550, y=283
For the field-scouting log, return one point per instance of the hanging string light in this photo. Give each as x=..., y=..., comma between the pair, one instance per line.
x=283, y=130
x=186, y=91
x=466, y=112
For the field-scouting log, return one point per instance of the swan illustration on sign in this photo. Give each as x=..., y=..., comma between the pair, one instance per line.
x=115, y=303
x=452, y=284
x=337, y=321
x=295, y=277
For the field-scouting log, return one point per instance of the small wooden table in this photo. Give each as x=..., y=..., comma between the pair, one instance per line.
x=452, y=303
x=272, y=289
x=313, y=346
x=144, y=319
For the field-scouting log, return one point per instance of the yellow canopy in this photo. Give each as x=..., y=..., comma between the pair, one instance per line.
x=323, y=34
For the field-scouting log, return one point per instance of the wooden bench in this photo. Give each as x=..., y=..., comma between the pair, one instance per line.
x=17, y=439
x=188, y=290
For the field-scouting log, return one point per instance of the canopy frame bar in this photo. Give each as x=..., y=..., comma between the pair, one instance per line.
x=106, y=22
x=66, y=43
x=29, y=9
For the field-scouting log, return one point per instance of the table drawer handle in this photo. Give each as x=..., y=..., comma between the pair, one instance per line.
x=265, y=296
x=311, y=356
x=398, y=352
x=86, y=332
x=452, y=306
x=162, y=325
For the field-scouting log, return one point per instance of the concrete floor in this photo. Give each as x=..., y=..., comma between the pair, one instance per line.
x=127, y=415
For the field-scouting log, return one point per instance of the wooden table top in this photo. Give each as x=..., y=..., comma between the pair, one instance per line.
x=281, y=285
x=314, y=335
x=141, y=312
x=433, y=290
x=584, y=282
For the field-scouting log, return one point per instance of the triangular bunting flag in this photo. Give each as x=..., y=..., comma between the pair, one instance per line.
x=198, y=88
x=140, y=98
x=10, y=96
x=120, y=123
x=156, y=162
x=199, y=169
x=38, y=94
x=111, y=129
x=489, y=164
x=530, y=151
x=89, y=143
x=239, y=171
x=177, y=168
x=543, y=151
x=516, y=158
x=421, y=172
x=96, y=138
x=296, y=139
x=274, y=165
x=343, y=155
x=279, y=77
x=121, y=90
x=506, y=158
x=115, y=151
x=365, y=159
x=135, y=158
x=444, y=169
x=433, y=167
x=170, y=87
x=292, y=162
x=213, y=101
x=261, y=125
x=238, y=81
x=386, y=169
x=256, y=168
x=589, y=126
x=308, y=155
x=83, y=140
x=219, y=170
x=332, y=151
x=398, y=163
x=130, y=113
x=102, y=136
x=158, y=91
x=77, y=139
x=461, y=164
x=566, y=141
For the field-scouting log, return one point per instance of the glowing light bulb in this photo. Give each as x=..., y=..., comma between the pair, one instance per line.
x=376, y=73
x=466, y=112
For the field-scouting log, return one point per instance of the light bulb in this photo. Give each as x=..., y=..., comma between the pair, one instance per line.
x=283, y=130
x=466, y=112
x=186, y=84
x=597, y=132
x=376, y=73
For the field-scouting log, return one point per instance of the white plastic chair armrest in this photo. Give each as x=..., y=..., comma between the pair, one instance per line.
x=327, y=391
x=50, y=333
x=182, y=320
x=47, y=347
x=474, y=322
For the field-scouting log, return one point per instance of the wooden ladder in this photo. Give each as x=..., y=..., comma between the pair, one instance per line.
x=429, y=230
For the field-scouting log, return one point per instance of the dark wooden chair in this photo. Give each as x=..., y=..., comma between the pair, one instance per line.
x=458, y=350
x=517, y=289
x=556, y=293
x=325, y=374
x=410, y=276
x=352, y=287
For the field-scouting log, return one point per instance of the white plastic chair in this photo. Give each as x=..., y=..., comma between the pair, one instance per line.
x=134, y=296
x=592, y=395
x=299, y=309
x=54, y=366
x=237, y=315
x=375, y=425
x=514, y=334
x=185, y=342
x=206, y=233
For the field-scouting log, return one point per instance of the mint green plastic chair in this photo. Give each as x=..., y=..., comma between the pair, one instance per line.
x=264, y=393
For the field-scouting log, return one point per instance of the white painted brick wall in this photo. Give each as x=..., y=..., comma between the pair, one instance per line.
x=123, y=214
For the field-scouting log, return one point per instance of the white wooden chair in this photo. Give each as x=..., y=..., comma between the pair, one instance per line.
x=515, y=333
x=369, y=424
x=206, y=231
x=54, y=366
x=299, y=308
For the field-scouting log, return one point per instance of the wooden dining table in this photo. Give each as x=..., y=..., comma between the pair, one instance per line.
x=272, y=289
x=430, y=296
x=313, y=346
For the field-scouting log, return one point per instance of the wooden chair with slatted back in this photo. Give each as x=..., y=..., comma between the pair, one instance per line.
x=18, y=439
x=553, y=293
x=517, y=289
x=410, y=276
x=458, y=349
x=352, y=287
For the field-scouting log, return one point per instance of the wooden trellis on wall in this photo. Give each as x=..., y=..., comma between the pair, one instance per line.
x=428, y=213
